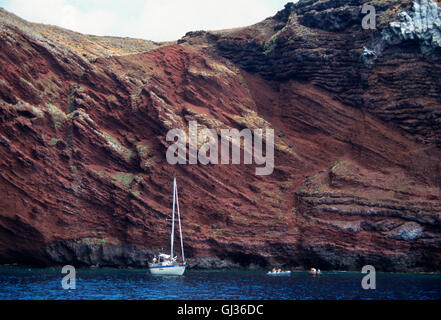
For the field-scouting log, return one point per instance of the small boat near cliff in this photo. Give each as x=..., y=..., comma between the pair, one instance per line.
x=278, y=273
x=165, y=264
x=315, y=272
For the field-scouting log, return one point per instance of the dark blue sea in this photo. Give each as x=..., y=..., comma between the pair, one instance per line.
x=133, y=284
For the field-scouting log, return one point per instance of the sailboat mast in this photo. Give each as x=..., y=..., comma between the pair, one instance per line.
x=173, y=219
x=180, y=229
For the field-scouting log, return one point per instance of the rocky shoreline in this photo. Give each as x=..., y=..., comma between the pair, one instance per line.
x=85, y=255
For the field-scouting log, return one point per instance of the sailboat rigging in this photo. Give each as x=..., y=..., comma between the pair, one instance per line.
x=166, y=264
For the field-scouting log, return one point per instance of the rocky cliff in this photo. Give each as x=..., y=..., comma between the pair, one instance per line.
x=357, y=115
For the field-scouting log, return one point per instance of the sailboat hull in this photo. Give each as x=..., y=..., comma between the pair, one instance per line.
x=167, y=270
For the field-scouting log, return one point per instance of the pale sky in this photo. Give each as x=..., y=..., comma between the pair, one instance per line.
x=158, y=20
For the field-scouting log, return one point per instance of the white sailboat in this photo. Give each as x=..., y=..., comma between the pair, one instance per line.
x=166, y=264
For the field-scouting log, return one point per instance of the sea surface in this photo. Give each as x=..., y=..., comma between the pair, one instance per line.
x=135, y=284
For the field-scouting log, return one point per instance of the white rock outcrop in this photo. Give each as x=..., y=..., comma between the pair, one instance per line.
x=423, y=24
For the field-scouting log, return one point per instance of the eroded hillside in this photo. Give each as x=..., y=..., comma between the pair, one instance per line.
x=83, y=120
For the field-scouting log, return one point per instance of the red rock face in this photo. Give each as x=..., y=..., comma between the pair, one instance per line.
x=84, y=178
